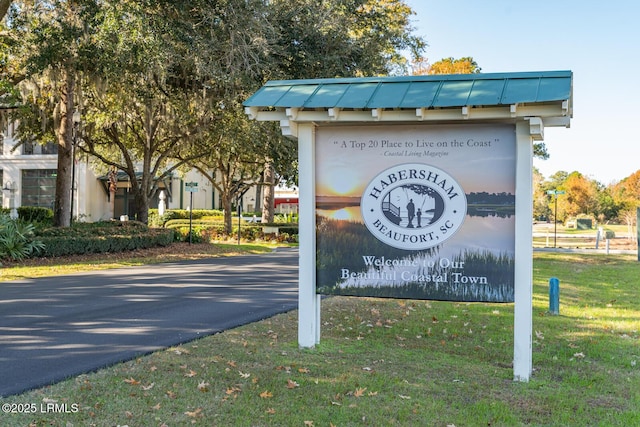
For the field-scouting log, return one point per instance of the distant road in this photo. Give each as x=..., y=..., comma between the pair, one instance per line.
x=55, y=328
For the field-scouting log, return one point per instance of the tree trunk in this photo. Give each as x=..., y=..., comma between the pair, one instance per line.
x=4, y=8
x=113, y=188
x=268, y=200
x=62, y=203
x=226, y=207
x=142, y=207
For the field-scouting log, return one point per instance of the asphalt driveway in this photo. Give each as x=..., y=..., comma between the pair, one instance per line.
x=54, y=328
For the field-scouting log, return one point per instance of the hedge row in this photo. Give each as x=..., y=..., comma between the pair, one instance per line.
x=102, y=238
x=209, y=232
x=156, y=220
x=176, y=223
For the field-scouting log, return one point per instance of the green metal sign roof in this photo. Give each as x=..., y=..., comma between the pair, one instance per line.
x=436, y=91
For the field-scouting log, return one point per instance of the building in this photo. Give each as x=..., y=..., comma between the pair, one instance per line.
x=28, y=178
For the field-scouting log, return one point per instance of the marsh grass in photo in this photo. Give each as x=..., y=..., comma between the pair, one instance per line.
x=342, y=245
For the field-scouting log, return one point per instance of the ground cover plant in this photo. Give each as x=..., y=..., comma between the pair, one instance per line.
x=388, y=362
x=16, y=240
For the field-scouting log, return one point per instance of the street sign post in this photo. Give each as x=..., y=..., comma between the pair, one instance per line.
x=555, y=215
x=191, y=187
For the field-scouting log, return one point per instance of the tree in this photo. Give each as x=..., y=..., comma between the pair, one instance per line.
x=541, y=208
x=148, y=103
x=626, y=194
x=342, y=38
x=49, y=50
x=306, y=39
x=606, y=206
x=337, y=38
x=238, y=160
x=580, y=196
x=466, y=65
x=155, y=75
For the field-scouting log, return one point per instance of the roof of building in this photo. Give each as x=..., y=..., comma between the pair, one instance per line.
x=433, y=91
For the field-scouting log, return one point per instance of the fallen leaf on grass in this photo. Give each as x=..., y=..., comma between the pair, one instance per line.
x=266, y=394
x=195, y=414
x=203, y=386
x=359, y=392
x=148, y=387
x=244, y=375
x=308, y=423
x=270, y=411
x=303, y=370
x=191, y=373
x=292, y=384
x=233, y=390
x=131, y=381
x=401, y=396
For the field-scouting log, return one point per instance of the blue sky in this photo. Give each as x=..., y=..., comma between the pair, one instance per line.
x=599, y=41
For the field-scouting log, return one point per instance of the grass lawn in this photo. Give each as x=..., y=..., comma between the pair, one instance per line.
x=39, y=267
x=386, y=362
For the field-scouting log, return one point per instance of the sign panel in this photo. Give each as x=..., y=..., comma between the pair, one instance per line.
x=191, y=187
x=416, y=211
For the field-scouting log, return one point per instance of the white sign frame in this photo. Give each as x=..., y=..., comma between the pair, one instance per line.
x=309, y=303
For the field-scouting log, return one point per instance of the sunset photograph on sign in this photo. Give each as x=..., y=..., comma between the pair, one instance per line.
x=422, y=212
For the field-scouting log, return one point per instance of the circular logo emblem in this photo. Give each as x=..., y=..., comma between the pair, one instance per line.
x=413, y=206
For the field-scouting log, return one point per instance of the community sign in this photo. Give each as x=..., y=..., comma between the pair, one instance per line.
x=416, y=211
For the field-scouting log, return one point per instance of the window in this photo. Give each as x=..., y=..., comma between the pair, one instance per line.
x=49, y=148
x=38, y=187
x=30, y=148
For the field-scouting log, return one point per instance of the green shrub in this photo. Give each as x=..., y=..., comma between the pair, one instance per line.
x=16, y=239
x=36, y=214
x=178, y=223
x=101, y=237
x=156, y=220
